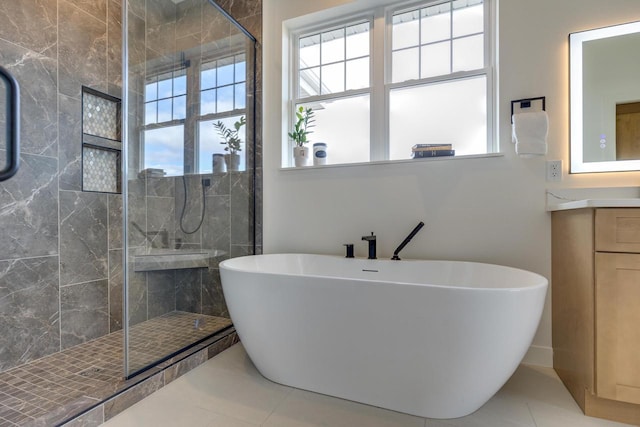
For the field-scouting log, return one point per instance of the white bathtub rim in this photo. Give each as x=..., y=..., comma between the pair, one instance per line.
x=544, y=282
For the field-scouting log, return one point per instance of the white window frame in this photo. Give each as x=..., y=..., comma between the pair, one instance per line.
x=380, y=64
x=164, y=124
x=193, y=118
x=295, y=61
x=199, y=117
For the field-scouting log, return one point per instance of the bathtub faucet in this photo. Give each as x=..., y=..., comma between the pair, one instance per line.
x=395, y=256
x=372, y=245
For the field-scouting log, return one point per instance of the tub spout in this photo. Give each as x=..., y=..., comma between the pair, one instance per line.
x=372, y=245
x=395, y=256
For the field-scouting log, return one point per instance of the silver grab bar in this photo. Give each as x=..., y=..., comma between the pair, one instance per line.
x=13, y=125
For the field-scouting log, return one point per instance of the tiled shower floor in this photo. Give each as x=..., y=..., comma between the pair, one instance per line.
x=94, y=370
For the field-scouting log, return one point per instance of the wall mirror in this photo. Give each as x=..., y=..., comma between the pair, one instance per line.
x=605, y=99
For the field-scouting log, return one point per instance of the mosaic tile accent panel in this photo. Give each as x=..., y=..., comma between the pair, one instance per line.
x=59, y=385
x=100, y=170
x=100, y=116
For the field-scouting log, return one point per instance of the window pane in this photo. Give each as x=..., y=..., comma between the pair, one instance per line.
x=448, y=113
x=209, y=143
x=436, y=59
x=225, y=99
x=225, y=72
x=241, y=69
x=406, y=30
x=164, y=110
x=310, y=51
x=208, y=102
x=436, y=23
x=358, y=40
x=309, y=82
x=150, y=110
x=208, y=79
x=468, y=53
x=165, y=88
x=180, y=85
x=241, y=95
x=179, y=107
x=164, y=149
x=405, y=65
x=467, y=20
x=151, y=91
x=333, y=46
x=358, y=73
x=333, y=78
x=343, y=124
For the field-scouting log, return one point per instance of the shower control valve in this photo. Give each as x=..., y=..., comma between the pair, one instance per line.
x=349, y=247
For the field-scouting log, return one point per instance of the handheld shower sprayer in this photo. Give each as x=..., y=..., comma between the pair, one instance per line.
x=395, y=256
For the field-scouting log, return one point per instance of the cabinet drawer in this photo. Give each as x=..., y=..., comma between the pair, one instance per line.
x=618, y=230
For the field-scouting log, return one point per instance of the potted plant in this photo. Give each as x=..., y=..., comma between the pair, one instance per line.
x=304, y=122
x=231, y=138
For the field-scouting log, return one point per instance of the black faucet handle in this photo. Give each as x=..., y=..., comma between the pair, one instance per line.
x=369, y=238
x=349, y=247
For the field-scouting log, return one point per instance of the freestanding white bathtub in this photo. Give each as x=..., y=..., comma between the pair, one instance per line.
x=435, y=339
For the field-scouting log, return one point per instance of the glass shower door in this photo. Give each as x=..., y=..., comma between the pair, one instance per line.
x=190, y=172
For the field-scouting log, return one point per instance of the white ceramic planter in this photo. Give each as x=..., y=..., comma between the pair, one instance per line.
x=301, y=156
x=232, y=161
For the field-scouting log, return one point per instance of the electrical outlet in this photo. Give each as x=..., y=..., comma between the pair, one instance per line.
x=554, y=170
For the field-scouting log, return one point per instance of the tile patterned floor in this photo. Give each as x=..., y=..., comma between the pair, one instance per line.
x=95, y=369
x=227, y=391
x=153, y=339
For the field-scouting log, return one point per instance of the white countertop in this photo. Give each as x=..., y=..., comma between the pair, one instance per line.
x=595, y=203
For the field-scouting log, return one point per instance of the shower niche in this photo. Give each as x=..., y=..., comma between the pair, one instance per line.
x=101, y=142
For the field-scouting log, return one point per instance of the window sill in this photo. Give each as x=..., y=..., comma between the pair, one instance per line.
x=391, y=162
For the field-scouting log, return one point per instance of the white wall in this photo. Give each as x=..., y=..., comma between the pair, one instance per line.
x=488, y=209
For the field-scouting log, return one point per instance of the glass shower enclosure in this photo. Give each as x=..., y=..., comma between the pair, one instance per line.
x=189, y=174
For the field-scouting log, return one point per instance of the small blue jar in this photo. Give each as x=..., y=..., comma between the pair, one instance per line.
x=319, y=153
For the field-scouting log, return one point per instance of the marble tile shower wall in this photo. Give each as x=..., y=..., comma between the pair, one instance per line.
x=56, y=240
x=161, y=36
x=227, y=226
x=61, y=252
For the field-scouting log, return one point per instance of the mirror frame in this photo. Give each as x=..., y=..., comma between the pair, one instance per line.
x=578, y=165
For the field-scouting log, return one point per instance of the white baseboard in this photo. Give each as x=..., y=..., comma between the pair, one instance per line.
x=539, y=355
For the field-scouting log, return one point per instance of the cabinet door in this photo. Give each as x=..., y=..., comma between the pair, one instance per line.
x=618, y=230
x=618, y=326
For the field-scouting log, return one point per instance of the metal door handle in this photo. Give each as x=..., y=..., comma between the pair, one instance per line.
x=13, y=125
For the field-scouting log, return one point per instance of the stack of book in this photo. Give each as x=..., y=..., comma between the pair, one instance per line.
x=420, y=151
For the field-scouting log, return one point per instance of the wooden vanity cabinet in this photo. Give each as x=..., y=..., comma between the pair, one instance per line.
x=596, y=309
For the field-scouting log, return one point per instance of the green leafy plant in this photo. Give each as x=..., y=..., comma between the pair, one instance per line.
x=231, y=137
x=304, y=122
